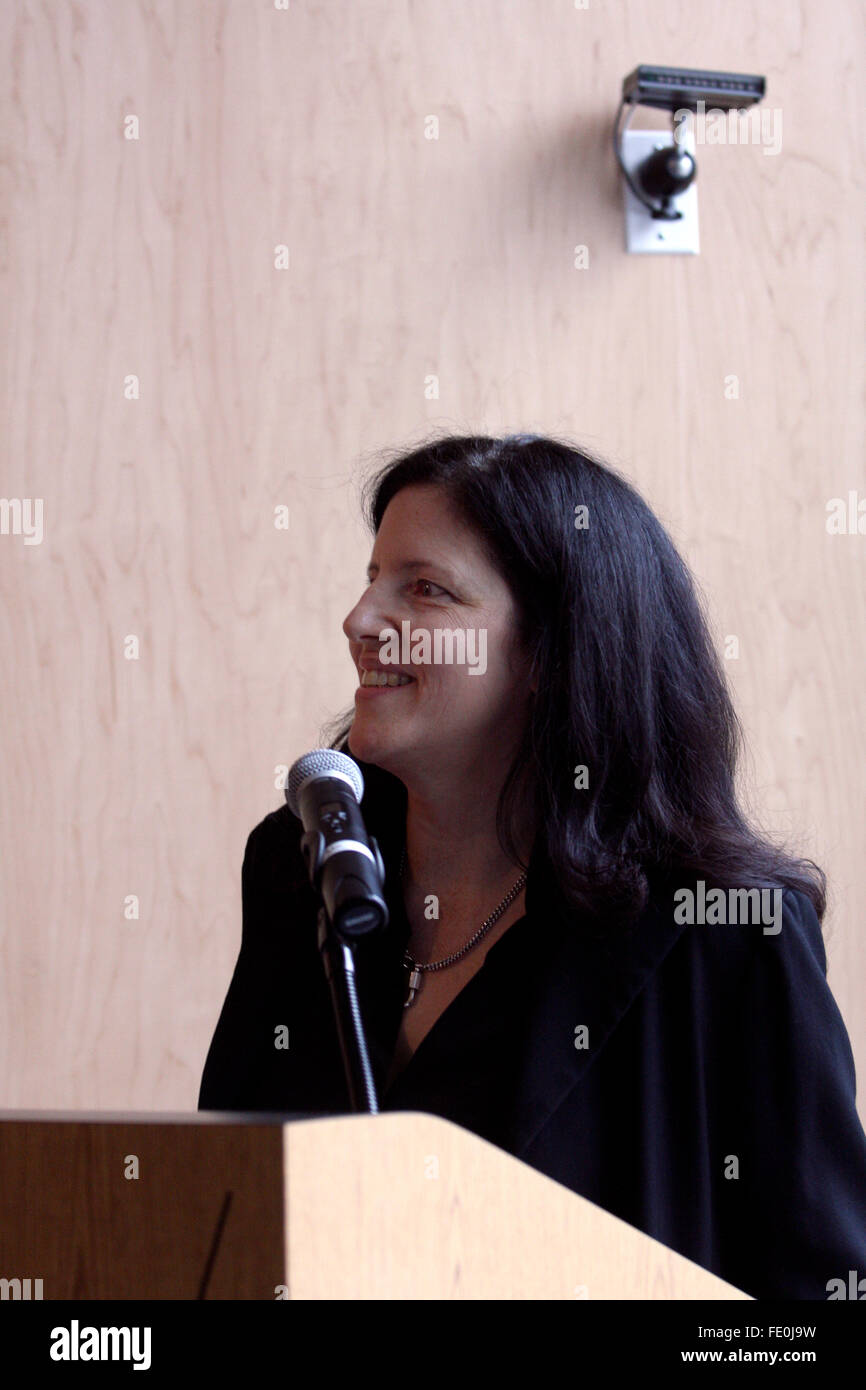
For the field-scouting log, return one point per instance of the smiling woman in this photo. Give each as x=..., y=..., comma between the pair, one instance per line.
x=443, y=734
x=539, y=826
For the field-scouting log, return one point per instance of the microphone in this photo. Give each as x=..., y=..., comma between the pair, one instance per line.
x=345, y=866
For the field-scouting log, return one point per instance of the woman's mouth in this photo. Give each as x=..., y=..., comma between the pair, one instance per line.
x=384, y=680
x=381, y=679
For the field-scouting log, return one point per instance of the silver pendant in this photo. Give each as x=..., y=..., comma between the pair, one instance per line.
x=414, y=981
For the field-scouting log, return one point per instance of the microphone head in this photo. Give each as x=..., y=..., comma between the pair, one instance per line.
x=322, y=762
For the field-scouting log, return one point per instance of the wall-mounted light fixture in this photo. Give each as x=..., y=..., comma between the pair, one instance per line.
x=661, y=202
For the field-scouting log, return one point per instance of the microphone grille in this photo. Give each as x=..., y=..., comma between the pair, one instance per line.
x=318, y=764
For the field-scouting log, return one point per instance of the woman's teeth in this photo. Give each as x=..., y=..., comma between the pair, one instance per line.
x=384, y=678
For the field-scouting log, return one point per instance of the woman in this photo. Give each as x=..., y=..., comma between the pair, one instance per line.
x=546, y=823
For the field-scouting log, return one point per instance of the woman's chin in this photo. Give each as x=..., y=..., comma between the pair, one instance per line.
x=380, y=748
x=368, y=745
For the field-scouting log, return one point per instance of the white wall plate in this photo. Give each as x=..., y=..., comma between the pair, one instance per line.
x=644, y=233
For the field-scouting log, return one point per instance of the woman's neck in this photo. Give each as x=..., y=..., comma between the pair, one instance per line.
x=453, y=855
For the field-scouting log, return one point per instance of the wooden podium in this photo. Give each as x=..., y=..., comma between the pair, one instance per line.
x=252, y=1206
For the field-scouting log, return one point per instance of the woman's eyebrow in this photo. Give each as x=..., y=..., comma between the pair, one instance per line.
x=373, y=568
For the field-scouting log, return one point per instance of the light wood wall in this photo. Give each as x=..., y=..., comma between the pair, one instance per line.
x=409, y=258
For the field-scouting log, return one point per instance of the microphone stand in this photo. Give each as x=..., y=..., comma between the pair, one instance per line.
x=336, y=946
x=339, y=962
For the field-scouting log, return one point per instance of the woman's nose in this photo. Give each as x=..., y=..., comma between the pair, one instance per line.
x=367, y=619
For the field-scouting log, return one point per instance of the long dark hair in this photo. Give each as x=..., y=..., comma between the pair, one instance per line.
x=630, y=685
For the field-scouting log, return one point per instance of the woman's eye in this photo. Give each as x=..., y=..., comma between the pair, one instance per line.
x=428, y=583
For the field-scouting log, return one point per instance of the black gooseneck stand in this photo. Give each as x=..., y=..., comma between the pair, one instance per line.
x=339, y=962
x=356, y=911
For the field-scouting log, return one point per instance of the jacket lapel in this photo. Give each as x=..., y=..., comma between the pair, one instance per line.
x=591, y=979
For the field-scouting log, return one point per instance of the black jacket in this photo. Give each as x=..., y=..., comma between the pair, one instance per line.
x=713, y=1107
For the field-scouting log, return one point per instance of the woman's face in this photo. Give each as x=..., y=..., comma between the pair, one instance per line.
x=428, y=570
